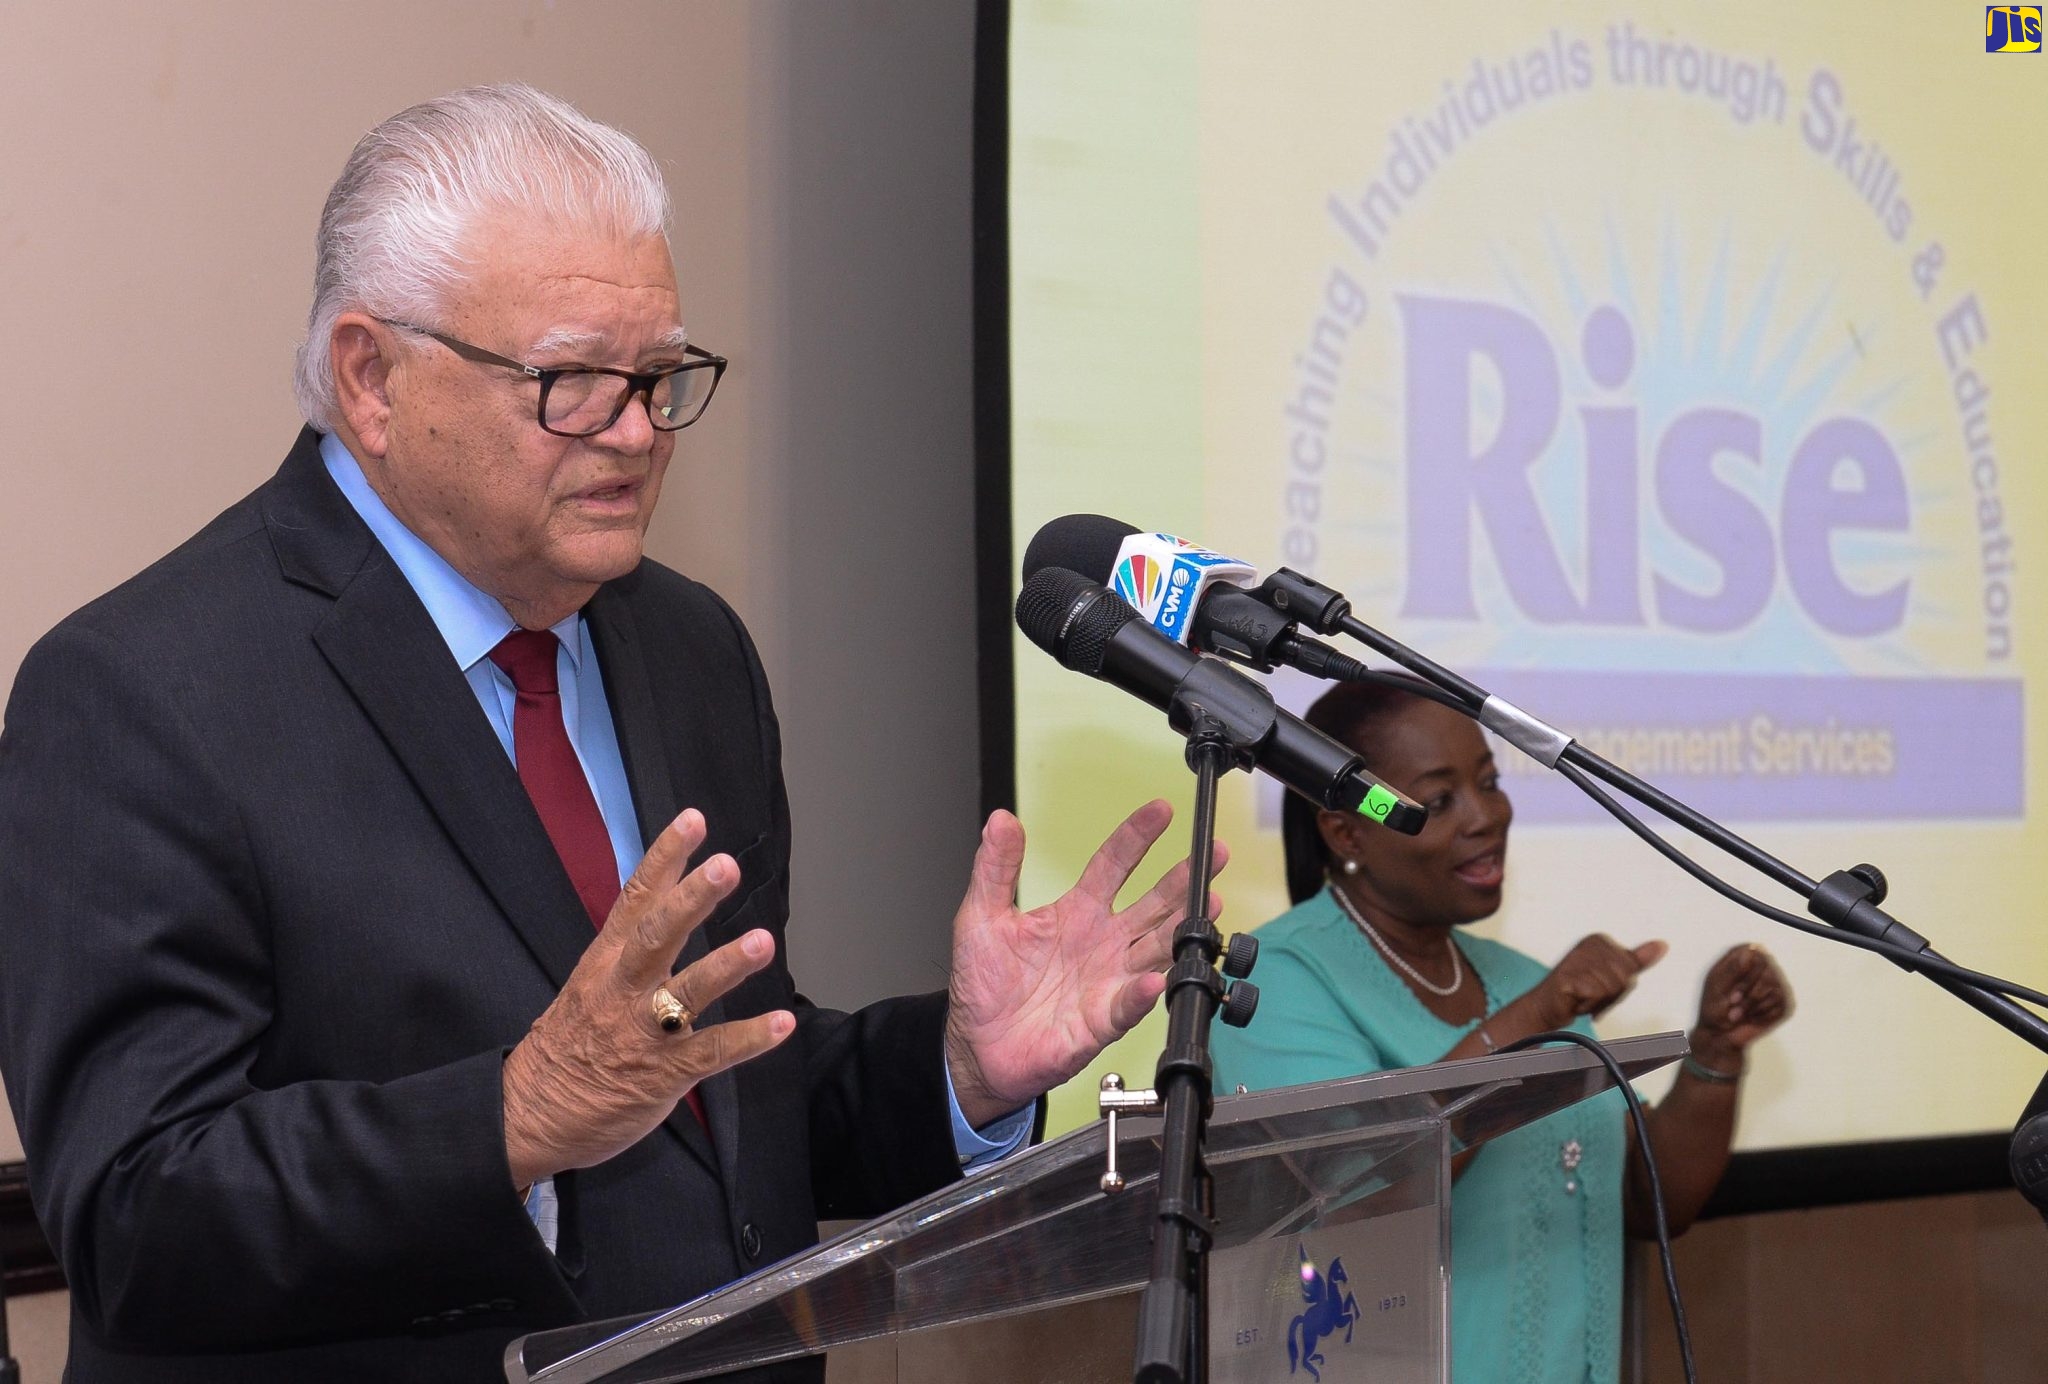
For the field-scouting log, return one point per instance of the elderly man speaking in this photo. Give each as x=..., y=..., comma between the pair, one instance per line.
x=394, y=876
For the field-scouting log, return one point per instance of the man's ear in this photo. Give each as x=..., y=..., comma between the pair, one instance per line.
x=361, y=351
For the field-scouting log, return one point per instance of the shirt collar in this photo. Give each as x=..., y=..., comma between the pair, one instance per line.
x=470, y=619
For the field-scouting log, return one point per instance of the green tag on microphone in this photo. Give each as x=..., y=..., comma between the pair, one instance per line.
x=1384, y=805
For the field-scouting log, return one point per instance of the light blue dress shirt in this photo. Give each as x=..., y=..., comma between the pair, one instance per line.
x=472, y=622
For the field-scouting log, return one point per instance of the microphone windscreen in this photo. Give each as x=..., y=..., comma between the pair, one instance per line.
x=1070, y=617
x=1083, y=543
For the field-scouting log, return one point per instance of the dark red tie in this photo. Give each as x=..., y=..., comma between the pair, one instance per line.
x=554, y=778
x=553, y=775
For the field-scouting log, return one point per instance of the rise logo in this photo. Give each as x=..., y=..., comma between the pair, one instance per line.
x=1797, y=497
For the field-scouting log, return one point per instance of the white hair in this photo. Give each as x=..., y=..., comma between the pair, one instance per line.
x=394, y=235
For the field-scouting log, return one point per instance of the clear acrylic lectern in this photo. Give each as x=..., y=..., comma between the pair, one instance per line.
x=1331, y=1249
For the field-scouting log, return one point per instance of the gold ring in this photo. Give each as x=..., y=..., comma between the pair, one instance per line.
x=671, y=1013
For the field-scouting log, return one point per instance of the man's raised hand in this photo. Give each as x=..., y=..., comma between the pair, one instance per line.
x=1036, y=995
x=597, y=1071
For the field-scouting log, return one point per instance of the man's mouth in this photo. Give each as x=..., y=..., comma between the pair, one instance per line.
x=619, y=492
x=1483, y=871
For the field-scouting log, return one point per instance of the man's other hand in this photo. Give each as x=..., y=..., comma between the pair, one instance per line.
x=597, y=1072
x=1036, y=995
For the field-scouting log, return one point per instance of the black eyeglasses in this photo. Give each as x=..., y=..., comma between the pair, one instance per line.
x=584, y=400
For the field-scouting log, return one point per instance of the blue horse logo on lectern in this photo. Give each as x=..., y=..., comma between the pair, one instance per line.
x=1330, y=1305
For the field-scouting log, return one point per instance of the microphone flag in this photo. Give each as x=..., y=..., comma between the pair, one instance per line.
x=1163, y=577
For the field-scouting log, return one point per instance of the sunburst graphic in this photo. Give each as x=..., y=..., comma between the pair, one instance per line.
x=1663, y=344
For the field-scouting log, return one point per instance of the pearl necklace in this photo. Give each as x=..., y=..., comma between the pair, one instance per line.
x=1440, y=991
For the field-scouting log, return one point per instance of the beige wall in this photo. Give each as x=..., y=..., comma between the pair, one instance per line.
x=159, y=184
x=163, y=174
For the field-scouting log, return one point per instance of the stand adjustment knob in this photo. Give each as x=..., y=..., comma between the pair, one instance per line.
x=1241, y=955
x=1873, y=877
x=1240, y=1002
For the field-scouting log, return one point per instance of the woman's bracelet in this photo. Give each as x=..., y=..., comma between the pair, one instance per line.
x=1486, y=1037
x=1710, y=1075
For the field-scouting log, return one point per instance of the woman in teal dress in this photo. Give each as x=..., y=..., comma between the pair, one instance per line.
x=1368, y=971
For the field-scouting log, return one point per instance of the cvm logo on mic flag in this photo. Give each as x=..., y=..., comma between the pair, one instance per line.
x=1163, y=577
x=1140, y=580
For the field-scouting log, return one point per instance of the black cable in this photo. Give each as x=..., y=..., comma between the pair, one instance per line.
x=1912, y=960
x=1414, y=686
x=1636, y=1116
x=1470, y=694
x=1700, y=825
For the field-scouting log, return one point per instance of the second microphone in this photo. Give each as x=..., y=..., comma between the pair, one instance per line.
x=1090, y=630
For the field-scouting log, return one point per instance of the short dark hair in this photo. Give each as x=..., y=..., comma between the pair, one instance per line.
x=1355, y=713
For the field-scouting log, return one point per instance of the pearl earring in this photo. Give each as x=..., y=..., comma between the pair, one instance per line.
x=1350, y=867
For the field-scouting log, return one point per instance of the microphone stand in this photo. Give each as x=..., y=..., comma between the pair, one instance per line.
x=1173, y=1322
x=1847, y=900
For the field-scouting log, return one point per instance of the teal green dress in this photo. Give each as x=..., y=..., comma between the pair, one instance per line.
x=1535, y=1268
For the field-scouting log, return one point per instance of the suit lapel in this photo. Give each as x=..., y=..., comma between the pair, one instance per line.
x=383, y=645
x=381, y=642
x=649, y=744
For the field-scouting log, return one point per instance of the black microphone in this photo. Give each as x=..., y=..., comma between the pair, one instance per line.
x=1228, y=620
x=1092, y=631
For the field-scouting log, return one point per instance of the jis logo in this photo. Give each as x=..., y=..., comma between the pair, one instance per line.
x=2012, y=28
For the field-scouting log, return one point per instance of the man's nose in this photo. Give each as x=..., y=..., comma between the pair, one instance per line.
x=633, y=430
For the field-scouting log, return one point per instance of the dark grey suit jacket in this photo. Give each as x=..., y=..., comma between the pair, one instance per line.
x=273, y=905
